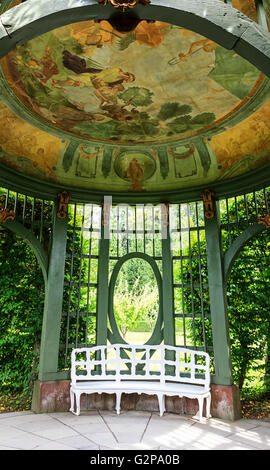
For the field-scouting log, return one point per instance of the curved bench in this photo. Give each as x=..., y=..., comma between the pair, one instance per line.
x=154, y=370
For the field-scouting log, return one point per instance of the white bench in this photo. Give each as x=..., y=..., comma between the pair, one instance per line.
x=154, y=370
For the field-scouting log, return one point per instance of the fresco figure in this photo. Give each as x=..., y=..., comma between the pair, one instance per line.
x=44, y=69
x=204, y=44
x=134, y=172
x=106, y=83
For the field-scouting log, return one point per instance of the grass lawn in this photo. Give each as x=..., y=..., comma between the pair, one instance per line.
x=134, y=337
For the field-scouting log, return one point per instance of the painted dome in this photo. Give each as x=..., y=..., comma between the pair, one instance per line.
x=157, y=109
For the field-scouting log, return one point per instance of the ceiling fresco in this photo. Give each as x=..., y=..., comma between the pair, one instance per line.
x=159, y=83
x=160, y=108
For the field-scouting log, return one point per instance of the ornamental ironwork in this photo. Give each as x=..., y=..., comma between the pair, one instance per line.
x=208, y=201
x=265, y=220
x=64, y=198
x=124, y=5
x=6, y=214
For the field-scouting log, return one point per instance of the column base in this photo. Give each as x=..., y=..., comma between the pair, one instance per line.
x=52, y=396
x=225, y=402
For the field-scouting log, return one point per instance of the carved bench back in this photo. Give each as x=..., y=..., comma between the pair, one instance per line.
x=134, y=362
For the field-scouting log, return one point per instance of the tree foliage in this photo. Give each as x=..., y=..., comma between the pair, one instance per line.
x=135, y=303
x=21, y=309
x=249, y=312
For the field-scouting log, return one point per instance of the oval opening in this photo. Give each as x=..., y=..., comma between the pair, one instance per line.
x=136, y=301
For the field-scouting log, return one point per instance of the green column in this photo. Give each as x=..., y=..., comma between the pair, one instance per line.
x=167, y=287
x=218, y=302
x=103, y=289
x=53, y=301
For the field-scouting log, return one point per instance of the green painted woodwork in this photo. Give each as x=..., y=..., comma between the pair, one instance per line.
x=53, y=300
x=251, y=181
x=32, y=242
x=218, y=303
x=168, y=296
x=102, y=292
x=59, y=375
x=167, y=284
x=234, y=250
x=157, y=335
x=218, y=271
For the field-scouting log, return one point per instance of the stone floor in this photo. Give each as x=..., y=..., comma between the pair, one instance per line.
x=104, y=430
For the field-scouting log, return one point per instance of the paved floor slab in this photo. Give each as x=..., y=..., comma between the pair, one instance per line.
x=105, y=430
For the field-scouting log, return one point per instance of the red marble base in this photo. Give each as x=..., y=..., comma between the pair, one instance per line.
x=225, y=402
x=54, y=396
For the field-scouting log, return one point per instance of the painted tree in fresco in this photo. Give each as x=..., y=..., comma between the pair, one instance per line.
x=137, y=96
x=178, y=119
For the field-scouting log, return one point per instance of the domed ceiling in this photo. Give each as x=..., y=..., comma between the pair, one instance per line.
x=158, y=109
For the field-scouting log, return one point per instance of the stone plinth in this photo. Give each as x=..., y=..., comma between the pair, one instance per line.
x=225, y=402
x=54, y=396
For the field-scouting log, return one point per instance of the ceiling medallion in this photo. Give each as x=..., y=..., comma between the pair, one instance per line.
x=124, y=5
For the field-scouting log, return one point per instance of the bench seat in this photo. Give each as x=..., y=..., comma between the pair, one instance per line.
x=91, y=375
x=140, y=386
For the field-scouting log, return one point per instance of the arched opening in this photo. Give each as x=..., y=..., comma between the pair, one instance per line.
x=22, y=293
x=249, y=320
x=246, y=271
x=136, y=301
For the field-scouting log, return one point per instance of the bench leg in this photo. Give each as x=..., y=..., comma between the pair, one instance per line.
x=71, y=401
x=200, y=401
x=118, y=402
x=78, y=403
x=208, y=404
x=161, y=402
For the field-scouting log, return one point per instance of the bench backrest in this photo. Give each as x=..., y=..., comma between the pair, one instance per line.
x=134, y=362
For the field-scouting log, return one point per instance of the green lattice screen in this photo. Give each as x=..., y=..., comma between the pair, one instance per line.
x=78, y=325
x=33, y=213
x=135, y=230
x=190, y=278
x=239, y=212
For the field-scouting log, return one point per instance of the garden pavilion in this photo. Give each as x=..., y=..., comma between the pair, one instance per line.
x=120, y=121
